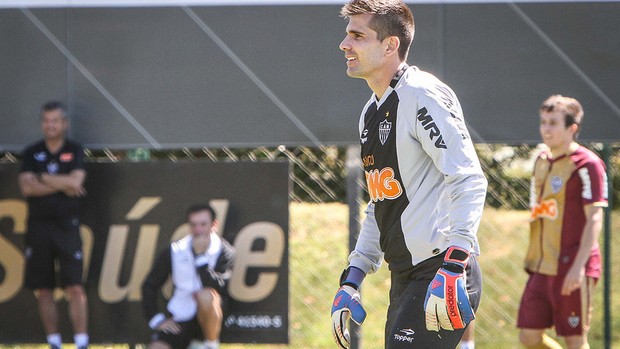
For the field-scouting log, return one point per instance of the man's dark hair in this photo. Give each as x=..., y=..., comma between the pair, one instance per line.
x=53, y=105
x=200, y=207
x=570, y=107
x=390, y=18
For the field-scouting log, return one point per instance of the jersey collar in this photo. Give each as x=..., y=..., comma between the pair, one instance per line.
x=398, y=75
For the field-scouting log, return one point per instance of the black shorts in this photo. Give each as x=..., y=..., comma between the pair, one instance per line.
x=406, y=324
x=49, y=242
x=190, y=330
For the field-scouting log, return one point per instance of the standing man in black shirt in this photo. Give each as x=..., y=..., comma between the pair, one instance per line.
x=51, y=178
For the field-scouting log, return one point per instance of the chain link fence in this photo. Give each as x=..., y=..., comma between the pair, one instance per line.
x=318, y=236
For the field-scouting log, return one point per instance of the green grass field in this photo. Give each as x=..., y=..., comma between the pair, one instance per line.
x=318, y=251
x=319, y=241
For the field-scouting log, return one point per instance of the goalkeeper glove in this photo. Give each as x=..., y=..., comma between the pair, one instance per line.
x=346, y=305
x=447, y=303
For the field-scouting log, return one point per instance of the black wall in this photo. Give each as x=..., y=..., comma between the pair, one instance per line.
x=170, y=77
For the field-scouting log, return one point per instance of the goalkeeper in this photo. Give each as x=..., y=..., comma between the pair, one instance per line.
x=426, y=189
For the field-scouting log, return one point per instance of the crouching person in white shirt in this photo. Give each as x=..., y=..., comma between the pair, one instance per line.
x=199, y=265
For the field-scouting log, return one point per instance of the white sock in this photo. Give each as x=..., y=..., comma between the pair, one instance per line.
x=214, y=344
x=467, y=345
x=54, y=339
x=81, y=339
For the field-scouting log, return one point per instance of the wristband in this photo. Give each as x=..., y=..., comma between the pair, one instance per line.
x=353, y=277
x=157, y=320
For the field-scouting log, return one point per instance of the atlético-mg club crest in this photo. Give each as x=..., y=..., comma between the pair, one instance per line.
x=384, y=131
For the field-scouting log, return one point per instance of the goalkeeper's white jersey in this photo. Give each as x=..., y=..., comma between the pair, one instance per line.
x=426, y=186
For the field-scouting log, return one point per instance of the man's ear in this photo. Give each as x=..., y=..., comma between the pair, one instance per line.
x=575, y=128
x=393, y=43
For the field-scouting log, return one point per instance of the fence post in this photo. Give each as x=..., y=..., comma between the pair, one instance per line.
x=607, y=321
x=354, y=192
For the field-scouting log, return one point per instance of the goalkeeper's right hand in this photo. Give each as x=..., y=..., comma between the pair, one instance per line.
x=346, y=305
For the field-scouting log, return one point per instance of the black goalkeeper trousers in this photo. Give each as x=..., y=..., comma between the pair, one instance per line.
x=406, y=324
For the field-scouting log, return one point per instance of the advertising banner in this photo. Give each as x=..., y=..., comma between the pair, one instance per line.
x=131, y=213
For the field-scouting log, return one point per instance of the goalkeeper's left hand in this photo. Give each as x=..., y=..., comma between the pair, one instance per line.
x=346, y=305
x=447, y=303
